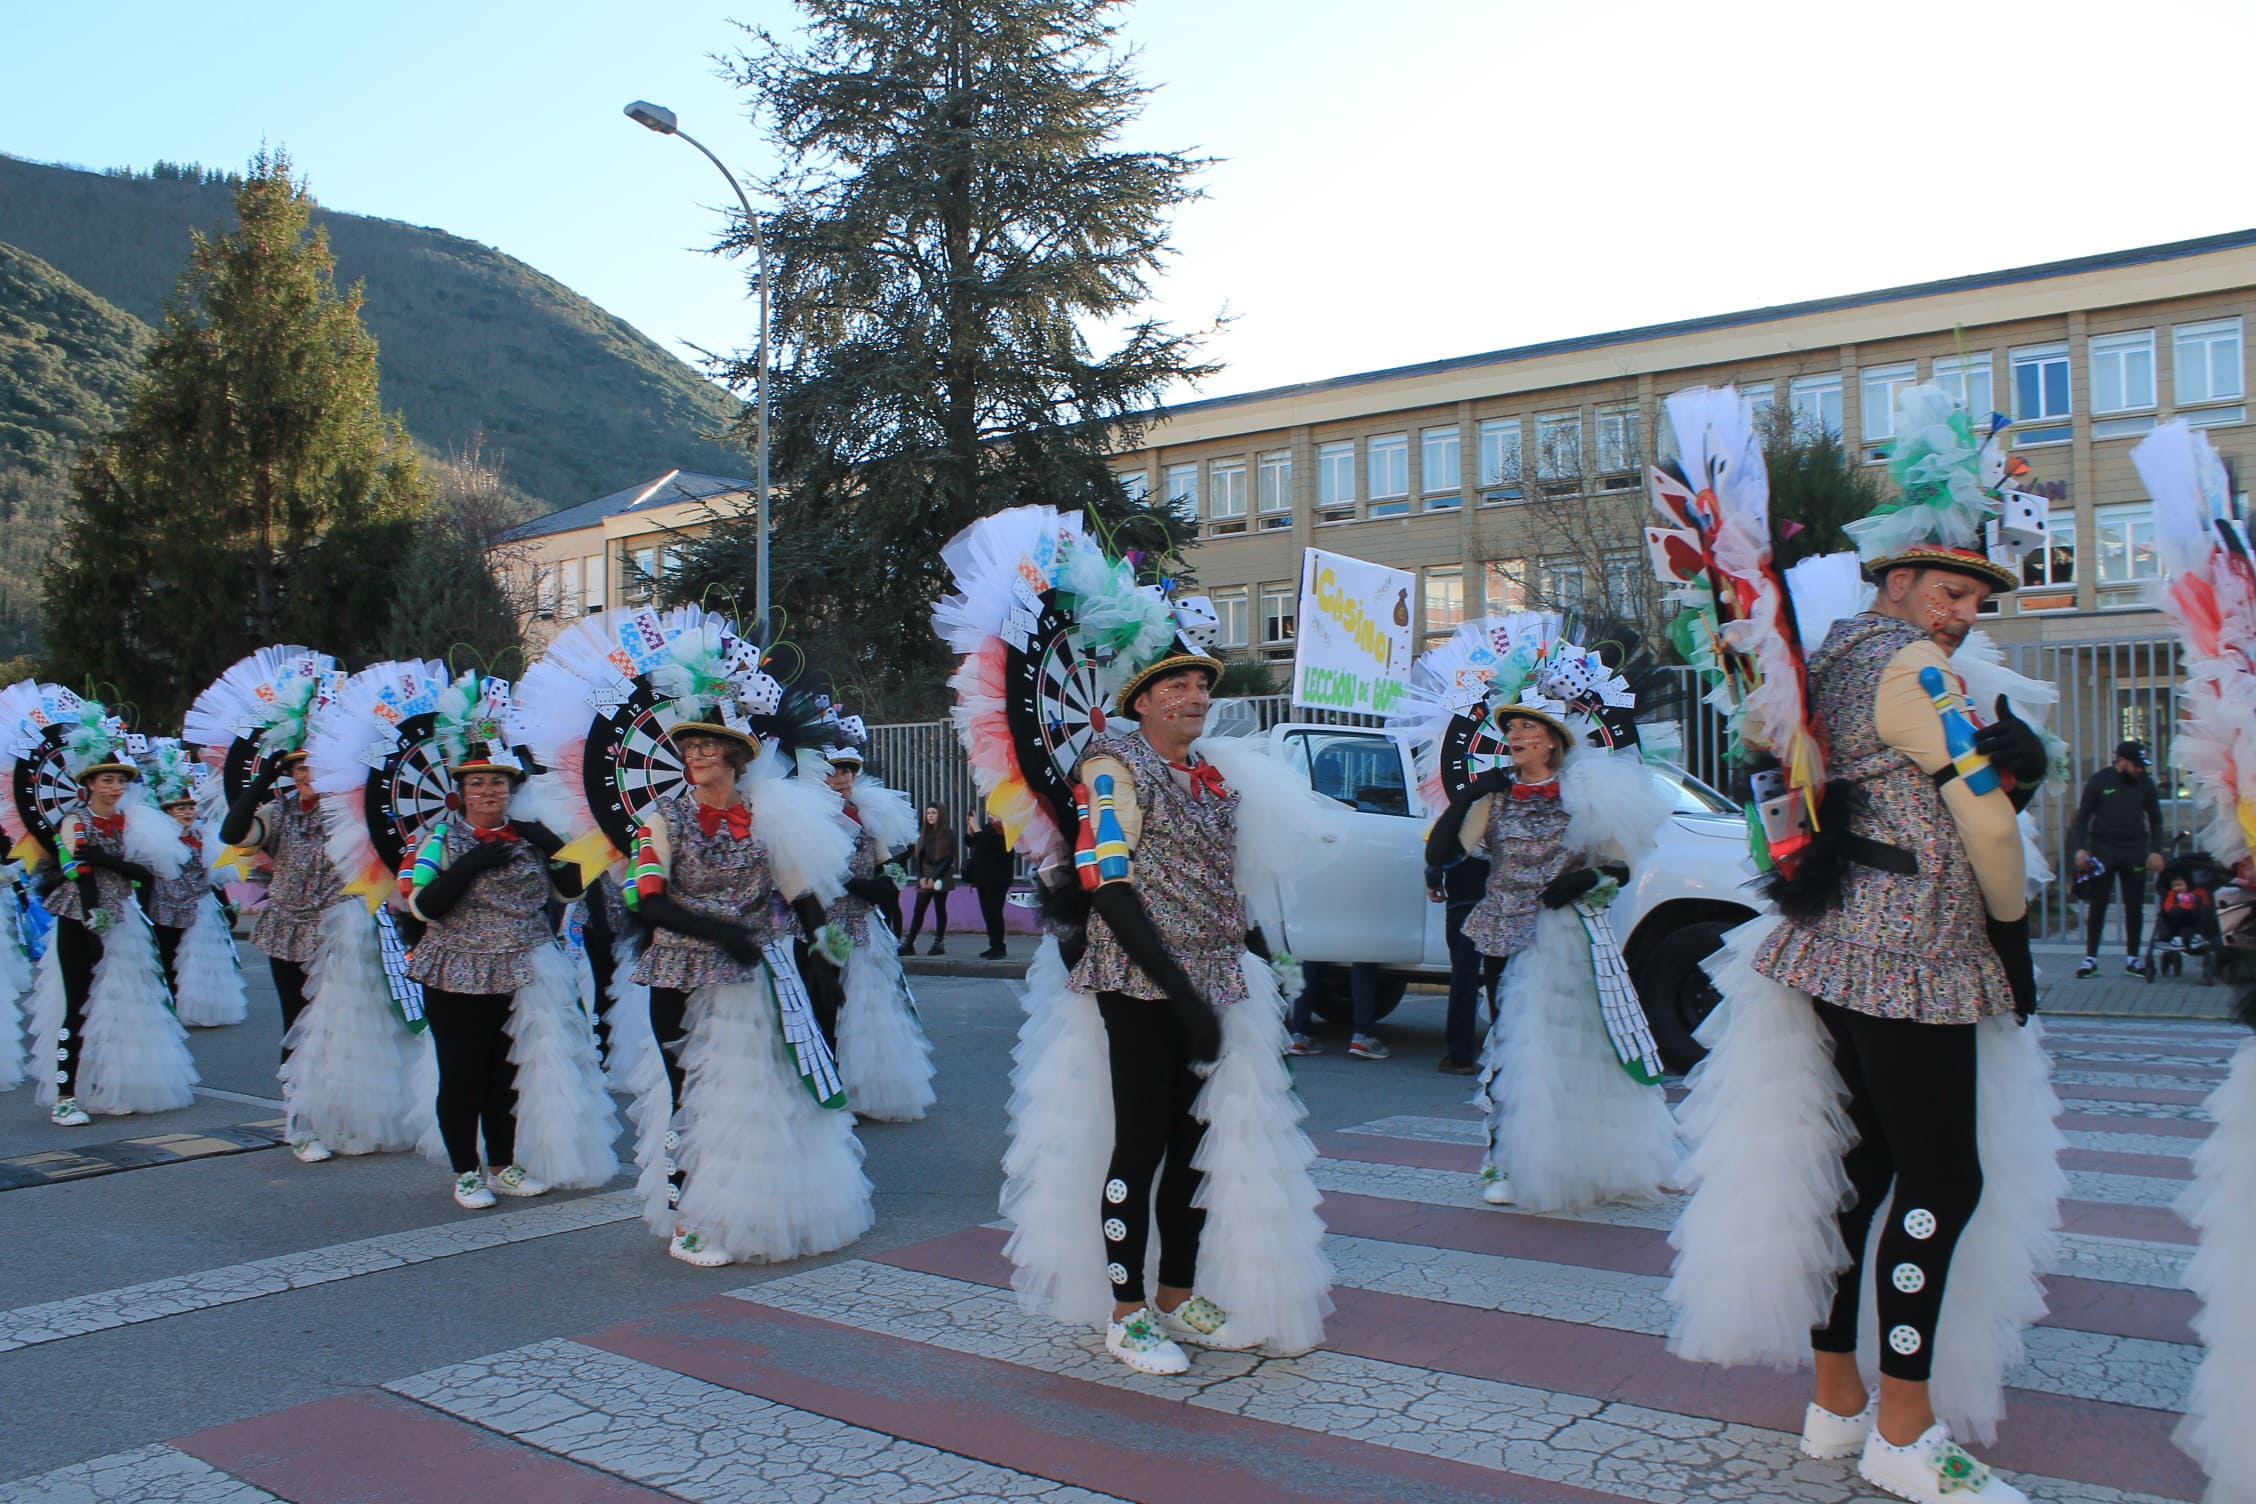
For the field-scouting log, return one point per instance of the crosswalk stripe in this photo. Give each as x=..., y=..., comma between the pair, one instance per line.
x=155, y=1474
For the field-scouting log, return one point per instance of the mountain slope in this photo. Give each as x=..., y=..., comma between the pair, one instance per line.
x=573, y=402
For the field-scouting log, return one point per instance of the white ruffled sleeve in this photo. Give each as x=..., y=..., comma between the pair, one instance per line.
x=799, y=822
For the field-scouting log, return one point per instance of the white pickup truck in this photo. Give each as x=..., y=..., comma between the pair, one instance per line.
x=1362, y=894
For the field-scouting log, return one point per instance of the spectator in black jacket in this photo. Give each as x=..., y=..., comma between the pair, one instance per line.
x=2119, y=822
x=987, y=868
x=1472, y=975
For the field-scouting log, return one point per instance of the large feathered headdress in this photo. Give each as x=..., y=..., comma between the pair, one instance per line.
x=1951, y=481
x=378, y=770
x=54, y=740
x=258, y=710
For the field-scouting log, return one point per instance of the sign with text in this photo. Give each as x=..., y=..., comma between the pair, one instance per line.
x=1351, y=649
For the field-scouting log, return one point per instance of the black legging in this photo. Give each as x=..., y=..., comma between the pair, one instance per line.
x=1911, y=1106
x=168, y=951
x=991, y=897
x=596, y=938
x=1153, y=1087
x=669, y=1006
x=77, y=951
x=935, y=899
x=2130, y=878
x=477, y=1080
x=290, y=987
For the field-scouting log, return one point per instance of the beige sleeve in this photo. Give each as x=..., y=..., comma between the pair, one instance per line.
x=1473, y=834
x=66, y=834
x=1123, y=794
x=1908, y=721
x=263, y=825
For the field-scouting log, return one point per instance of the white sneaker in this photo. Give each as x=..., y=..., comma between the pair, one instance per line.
x=309, y=1150
x=1138, y=1341
x=515, y=1182
x=1827, y=1436
x=691, y=1248
x=1933, y=1470
x=68, y=1114
x=470, y=1192
x=1202, y=1323
x=1494, y=1189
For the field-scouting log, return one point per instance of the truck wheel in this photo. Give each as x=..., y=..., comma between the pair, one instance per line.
x=1676, y=993
x=1334, y=1005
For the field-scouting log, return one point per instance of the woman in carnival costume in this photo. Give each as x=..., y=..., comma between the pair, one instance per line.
x=883, y=1056
x=102, y=1020
x=516, y=1055
x=1528, y=748
x=193, y=933
x=1868, y=1051
x=1081, y=687
x=16, y=973
x=2211, y=600
x=746, y=1149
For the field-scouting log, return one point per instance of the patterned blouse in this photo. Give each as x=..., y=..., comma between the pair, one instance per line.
x=846, y=911
x=1526, y=847
x=177, y=899
x=718, y=874
x=1185, y=869
x=303, y=885
x=486, y=942
x=112, y=890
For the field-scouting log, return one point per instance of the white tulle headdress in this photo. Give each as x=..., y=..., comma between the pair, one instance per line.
x=378, y=770
x=173, y=773
x=1951, y=479
x=54, y=739
x=257, y=711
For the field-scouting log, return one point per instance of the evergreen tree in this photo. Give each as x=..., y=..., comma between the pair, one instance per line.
x=255, y=491
x=957, y=227
x=448, y=601
x=1817, y=487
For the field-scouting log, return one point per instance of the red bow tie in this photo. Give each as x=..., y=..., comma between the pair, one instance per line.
x=108, y=825
x=1549, y=789
x=1205, y=778
x=310, y=806
x=502, y=832
x=738, y=818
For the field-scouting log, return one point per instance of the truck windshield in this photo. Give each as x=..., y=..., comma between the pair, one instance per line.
x=1361, y=769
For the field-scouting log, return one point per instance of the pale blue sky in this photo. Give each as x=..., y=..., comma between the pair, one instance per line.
x=1402, y=181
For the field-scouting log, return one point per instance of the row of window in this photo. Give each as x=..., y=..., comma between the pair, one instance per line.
x=569, y=588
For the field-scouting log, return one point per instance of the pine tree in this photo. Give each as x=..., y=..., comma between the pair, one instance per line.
x=448, y=601
x=958, y=226
x=255, y=491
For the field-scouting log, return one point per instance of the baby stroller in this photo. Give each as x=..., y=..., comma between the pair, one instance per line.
x=2202, y=935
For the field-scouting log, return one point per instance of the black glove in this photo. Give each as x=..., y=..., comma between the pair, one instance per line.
x=733, y=940
x=245, y=807
x=1258, y=943
x=95, y=856
x=873, y=890
x=1122, y=910
x=1445, y=843
x=443, y=892
x=1569, y=886
x=2010, y=939
x=2012, y=746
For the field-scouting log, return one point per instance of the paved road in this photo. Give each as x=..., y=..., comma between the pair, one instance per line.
x=221, y=1324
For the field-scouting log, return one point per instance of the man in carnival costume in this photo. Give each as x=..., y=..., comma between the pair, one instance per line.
x=1904, y=937
x=1163, y=1004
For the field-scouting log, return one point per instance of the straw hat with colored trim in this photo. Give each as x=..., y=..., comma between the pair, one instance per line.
x=99, y=744
x=1179, y=656
x=1950, y=479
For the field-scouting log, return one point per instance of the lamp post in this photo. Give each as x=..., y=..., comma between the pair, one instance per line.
x=660, y=119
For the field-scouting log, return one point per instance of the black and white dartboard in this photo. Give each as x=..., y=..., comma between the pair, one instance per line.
x=406, y=791
x=630, y=765
x=242, y=764
x=1054, y=701
x=42, y=786
x=1473, y=745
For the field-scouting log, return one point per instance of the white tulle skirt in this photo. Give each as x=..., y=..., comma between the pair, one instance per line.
x=356, y=1077
x=209, y=972
x=134, y=1056
x=1567, y=1125
x=2221, y=1204
x=883, y=1056
x=1759, y=1248
x=769, y=1173
x=631, y=1058
x=15, y=983
x=566, y=1126
x=1261, y=1255
x=43, y=1017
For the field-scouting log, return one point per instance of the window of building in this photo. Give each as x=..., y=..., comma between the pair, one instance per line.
x=1878, y=403
x=1969, y=380
x=2040, y=395
x=1816, y=403
x=2208, y=361
x=1618, y=446
x=1137, y=483
x=1500, y=459
x=1438, y=471
x=1280, y=606
x=1389, y=459
x=2123, y=545
x=2048, y=574
x=593, y=574
x=1445, y=599
x=1232, y=610
x=1560, y=583
x=1183, y=491
x=1558, y=449
x=1335, y=482
x=1504, y=585
x=2122, y=372
x=1226, y=506
x=642, y=575
x=1274, y=488
x=570, y=597
x=544, y=592
x=1761, y=398
x=1625, y=581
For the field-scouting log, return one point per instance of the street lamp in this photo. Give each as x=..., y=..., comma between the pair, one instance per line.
x=660, y=119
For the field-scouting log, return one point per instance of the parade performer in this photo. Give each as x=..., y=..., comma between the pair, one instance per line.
x=2211, y=601
x=883, y=1056
x=1867, y=1050
x=194, y=935
x=1528, y=751
x=102, y=1025
x=516, y=1055
x=15, y=974
x=651, y=728
x=1153, y=1043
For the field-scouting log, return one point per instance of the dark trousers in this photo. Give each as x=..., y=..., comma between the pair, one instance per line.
x=290, y=987
x=1153, y=1087
x=477, y=1081
x=1362, y=991
x=168, y=951
x=669, y=1006
x=1911, y=1107
x=78, y=952
x=935, y=899
x=595, y=935
x=2130, y=878
x=1472, y=976
x=991, y=896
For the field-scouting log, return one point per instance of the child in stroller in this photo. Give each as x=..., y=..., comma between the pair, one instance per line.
x=2205, y=911
x=2185, y=921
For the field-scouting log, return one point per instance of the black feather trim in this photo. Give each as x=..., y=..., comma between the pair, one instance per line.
x=1821, y=874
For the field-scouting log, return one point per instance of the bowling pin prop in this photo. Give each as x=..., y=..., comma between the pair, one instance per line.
x=1958, y=732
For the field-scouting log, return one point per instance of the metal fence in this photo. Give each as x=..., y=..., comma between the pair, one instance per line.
x=2111, y=690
